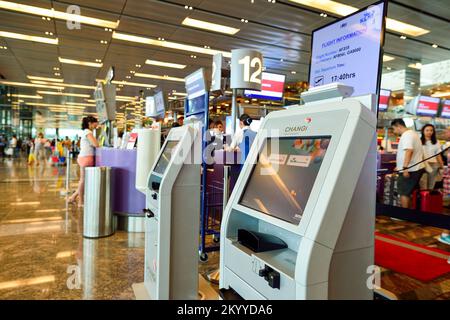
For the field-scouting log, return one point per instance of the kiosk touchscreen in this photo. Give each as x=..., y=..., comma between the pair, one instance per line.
x=173, y=215
x=300, y=221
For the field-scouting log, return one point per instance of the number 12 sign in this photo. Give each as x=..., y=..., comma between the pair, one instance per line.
x=246, y=69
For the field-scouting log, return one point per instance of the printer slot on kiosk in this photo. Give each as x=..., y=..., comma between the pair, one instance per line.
x=173, y=215
x=300, y=221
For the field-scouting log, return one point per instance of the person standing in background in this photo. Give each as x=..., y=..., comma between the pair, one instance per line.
x=86, y=158
x=431, y=147
x=39, y=148
x=13, y=145
x=409, y=157
x=2, y=146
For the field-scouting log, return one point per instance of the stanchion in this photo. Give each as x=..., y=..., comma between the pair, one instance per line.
x=66, y=191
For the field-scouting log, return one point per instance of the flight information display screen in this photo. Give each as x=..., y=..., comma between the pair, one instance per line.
x=165, y=158
x=281, y=181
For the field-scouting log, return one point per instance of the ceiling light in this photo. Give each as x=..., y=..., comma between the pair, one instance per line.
x=168, y=44
x=134, y=84
x=128, y=77
x=61, y=86
x=188, y=8
x=138, y=66
x=209, y=26
x=55, y=93
x=193, y=56
x=244, y=20
x=32, y=85
x=387, y=58
x=24, y=96
x=344, y=10
x=440, y=94
x=81, y=63
x=417, y=65
x=161, y=39
x=3, y=47
x=51, y=13
x=153, y=76
x=389, y=68
x=54, y=106
x=98, y=60
x=165, y=64
x=55, y=68
x=48, y=33
x=20, y=36
x=45, y=79
x=435, y=46
x=103, y=41
x=81, y=103
x=294, y=72
x=403, y=37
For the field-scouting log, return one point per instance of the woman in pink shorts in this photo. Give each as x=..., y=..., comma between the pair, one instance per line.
x=86, y=157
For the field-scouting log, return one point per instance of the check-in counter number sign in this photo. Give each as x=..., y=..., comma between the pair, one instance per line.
x=249, y=66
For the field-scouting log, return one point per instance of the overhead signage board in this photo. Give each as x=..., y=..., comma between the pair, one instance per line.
x=160, y=102
x=246, y=69
x=427, y=106
x=195, y=84
x=349, y=51
x=272, y=87
x=446, y=110
x=383, y=102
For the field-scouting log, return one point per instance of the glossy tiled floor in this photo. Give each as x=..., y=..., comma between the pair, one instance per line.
x=42, y=252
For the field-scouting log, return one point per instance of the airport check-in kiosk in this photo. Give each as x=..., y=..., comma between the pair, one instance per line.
x=300, y=220
x=173, y=212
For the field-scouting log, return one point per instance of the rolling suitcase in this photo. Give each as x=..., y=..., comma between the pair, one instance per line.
x=428, y=201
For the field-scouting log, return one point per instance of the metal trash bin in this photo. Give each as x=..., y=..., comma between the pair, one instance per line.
x=98, y=220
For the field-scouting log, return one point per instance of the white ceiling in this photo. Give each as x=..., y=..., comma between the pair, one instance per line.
x=281, y=31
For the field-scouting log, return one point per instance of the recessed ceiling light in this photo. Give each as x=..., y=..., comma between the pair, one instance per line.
x=51, y=13
x=81, y=63
x=193, y=56
x=416, y=65
x=134, y=84
x=403, y=37
x=98, y=60
x=435, y=46
x=188, y=7
x=294, y=72
x=3, y=47
x=161, y=39
x=128, y=77
x=388, y=68
x=103, y=41
x=344, y=10
x=154, y=76
x=205, y=25
x=24, y=96
x=165, y=64
x=19, y=36
x=168, y=44
x=244, y=20
x=55, y=93
x=387, y=58
x=56, y=68
x=138, y=66
x=32, y=85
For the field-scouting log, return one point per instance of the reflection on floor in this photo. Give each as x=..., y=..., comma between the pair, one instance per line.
x=405, y=287
x=44, y=256
x=42, y=252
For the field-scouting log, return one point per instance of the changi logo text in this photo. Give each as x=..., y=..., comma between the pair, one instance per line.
x=295, y=129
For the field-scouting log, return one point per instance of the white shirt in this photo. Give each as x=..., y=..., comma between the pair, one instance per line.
x=238, y=137
x=410, y=141
x=13, y=143
x=86, y=148
x=430, y=150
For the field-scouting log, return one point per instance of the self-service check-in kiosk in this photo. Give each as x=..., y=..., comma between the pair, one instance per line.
x=300, y=221
x=173, y=215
